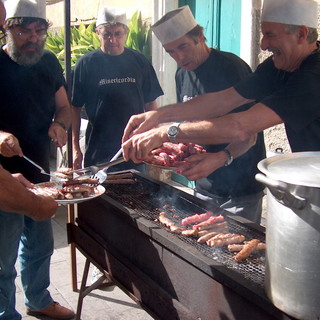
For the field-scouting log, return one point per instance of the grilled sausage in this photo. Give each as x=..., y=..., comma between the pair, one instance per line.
x=247, y=249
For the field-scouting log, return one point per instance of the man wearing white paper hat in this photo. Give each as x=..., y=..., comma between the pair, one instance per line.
x=112, y=83
x=33, y=93
x=202, y=70
x=14, y=197
x=284, y=89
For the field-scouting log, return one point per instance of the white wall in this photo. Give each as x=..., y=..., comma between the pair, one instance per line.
x=164, y=65
x=88, y=9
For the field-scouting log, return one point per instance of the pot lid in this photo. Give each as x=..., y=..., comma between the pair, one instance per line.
x=299, y=168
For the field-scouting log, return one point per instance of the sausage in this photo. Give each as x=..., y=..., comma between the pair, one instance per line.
x=163, y=219
x=206, y=237
x=239, y=247
x=218, y=227
x=190, y=233
x=225, y=239
x=247, y=249
x=210, y=221
x=196, y=218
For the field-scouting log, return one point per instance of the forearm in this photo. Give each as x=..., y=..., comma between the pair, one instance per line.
x=63, y=109
x=76, y=124
x=152, y=105
x=237, y=149
x=206, y=106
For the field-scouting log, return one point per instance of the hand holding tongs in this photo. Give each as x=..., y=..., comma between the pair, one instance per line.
x=36, y=165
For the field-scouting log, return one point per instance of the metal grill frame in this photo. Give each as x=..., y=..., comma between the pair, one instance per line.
x=149, y=204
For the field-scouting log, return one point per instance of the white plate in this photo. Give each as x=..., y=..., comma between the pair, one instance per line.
x=98, y=191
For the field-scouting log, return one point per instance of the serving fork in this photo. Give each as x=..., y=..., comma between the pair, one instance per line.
x=37, y=166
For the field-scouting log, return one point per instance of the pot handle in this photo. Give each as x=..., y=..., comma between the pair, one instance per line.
x=280, y=190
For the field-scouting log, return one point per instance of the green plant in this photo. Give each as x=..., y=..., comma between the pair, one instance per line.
x=139, y=35
x=85, y=39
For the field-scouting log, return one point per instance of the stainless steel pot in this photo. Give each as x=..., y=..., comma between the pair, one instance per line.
x=292, y=278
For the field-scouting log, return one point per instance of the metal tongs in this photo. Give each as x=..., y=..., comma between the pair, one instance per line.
x=37, y=166
x=94, y=169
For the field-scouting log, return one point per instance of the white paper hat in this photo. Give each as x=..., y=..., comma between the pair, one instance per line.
x=174, y=25
x=295, y=12
x=25, y=8
x=111, y=15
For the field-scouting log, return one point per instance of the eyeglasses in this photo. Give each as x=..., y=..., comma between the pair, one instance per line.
x=41, y=34
x=117, y=34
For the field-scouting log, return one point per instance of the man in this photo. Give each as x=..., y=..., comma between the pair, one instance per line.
x=14, y=197
x=113, y=83
x=203, y=69
x=32, y=95
x=285, y=89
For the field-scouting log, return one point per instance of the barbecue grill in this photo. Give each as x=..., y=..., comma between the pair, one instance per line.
x=171, y=276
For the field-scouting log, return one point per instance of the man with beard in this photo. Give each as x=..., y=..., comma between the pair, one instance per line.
x=34, y=109
x=14, y=197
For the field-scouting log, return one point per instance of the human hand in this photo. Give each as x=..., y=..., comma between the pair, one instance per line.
x=77, y=159
x=44, y=207
x=139, y=146
x=201, y=165
x=58, y=134
x=140, y=123
x=9, y=145
x=23, y=180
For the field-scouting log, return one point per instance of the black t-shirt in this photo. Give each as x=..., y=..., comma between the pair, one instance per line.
x=220, y=71
x=27, y=107
x=294, y=96
x=112, y=89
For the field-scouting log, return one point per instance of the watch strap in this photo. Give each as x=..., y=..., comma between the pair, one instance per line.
x=229, y=157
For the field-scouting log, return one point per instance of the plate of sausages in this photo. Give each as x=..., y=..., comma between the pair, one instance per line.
x=71, y=191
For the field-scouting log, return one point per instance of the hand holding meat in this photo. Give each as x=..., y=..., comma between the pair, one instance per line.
x=140, y=123
x=200, y=165
x=174, y=154
x=9, y=145
x=138, y=148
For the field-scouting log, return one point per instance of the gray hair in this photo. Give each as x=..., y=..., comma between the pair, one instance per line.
x=312, y=34
x=195, y=33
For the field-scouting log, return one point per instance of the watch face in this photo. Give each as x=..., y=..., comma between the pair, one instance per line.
x=173, y=131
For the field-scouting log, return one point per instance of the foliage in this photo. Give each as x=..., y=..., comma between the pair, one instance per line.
x=139, y=35
x=85, y=39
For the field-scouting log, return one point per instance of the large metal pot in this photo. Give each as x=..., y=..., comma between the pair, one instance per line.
x=292, y=278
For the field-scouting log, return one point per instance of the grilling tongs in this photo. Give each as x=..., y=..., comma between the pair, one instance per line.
x=94, y=169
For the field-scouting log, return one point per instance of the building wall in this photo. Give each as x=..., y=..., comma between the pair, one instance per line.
x=88, y=9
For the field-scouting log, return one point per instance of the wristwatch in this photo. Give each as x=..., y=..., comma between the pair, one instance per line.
x=173, y=131
x=229, y=157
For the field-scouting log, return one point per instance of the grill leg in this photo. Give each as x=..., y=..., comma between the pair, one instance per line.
x=84, y=289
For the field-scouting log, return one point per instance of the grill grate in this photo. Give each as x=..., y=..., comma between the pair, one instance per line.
x=148, y=199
